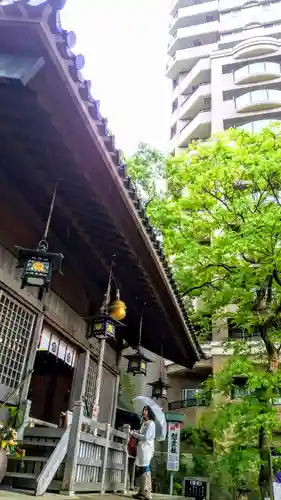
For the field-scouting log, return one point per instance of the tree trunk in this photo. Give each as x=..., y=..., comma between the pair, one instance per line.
x=265, y=475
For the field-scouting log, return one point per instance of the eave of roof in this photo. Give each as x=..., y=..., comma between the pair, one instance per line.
x=65, y=40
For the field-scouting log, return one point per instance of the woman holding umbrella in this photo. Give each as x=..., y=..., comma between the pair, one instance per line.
x=145, y=452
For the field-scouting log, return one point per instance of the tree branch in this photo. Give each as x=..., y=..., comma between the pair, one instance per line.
x=250, y=261
x=272, y=189
x=224, y=266
x=276, y=277
x=207, y=283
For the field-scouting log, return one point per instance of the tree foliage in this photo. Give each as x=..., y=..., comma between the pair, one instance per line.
x=127, y=391
x=220, y=219
x=147, y=169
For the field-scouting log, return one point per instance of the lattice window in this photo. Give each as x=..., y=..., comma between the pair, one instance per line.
x=16, y=325
x=90, y=387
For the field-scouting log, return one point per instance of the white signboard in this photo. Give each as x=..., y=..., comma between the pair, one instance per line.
x=173, y=457
x=277, y=491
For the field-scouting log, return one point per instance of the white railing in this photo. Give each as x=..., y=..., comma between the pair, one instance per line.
x=97, y=456
x=90, y=456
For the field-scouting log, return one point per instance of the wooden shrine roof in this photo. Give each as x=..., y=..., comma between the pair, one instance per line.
x=51, y=129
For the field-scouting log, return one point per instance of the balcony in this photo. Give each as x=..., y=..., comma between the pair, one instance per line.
x=258, y=100
x=175, y=5
x=200, y=72
x=193, y=406
x=256, y=126
x=197, y=13
x=183, y=60
x=231, y=4
x=182, y=37
x=197, y=127
x=257, y=72
x=246, y=38
x=193, y=102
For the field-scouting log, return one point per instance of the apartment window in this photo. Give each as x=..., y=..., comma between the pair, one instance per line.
x=173, y=131
x=193, y=397
x=209, y=19
x=197, y=42
x=174, y=105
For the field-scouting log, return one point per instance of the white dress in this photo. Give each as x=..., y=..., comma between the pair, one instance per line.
x=145, y=448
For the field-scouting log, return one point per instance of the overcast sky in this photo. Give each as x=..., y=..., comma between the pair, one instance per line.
x=124, y=43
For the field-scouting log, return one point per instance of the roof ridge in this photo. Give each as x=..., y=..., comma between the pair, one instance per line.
x=76, y=64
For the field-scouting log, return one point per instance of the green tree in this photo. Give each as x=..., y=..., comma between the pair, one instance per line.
x=147, y=169
x=127, y=391
x=221, y=226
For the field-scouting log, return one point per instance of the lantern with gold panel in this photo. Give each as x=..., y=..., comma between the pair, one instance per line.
x=102, y=327
x=39, y=264
x=137, y=362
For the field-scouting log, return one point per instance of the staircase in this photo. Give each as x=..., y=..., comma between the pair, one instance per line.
x=40, y=443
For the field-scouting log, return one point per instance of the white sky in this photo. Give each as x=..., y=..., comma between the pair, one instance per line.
x=124, y=43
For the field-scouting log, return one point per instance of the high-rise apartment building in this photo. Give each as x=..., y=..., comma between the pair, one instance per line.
x=224, y=62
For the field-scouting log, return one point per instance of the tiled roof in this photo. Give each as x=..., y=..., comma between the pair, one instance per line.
x=65, y=41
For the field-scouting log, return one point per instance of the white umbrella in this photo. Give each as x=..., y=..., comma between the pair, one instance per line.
x=160, y=420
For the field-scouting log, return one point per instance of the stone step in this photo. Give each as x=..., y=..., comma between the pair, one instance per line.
x=29, y=458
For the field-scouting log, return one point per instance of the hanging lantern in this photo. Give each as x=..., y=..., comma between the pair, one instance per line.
x=104, y=326
x=100, y=328
x=117, y=309
x=37, y=266
x=159, y=389
x=137, y=363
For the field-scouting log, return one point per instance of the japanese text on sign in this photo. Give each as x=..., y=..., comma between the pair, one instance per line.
x=173, y=459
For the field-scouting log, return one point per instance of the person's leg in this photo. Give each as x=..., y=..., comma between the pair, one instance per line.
x=147, y=492
x=140, y=482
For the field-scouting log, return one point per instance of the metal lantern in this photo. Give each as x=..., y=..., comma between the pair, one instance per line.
x=37, y=266
x=137, y=363
x=159, y=389
x=102, y=327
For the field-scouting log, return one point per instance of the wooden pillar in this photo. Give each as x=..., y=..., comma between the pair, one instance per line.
x=73, y=449
x=25, y=408
x=31, y=358
x=126, y=459
x=114, y=403
x=79, y=379
x=105, y=459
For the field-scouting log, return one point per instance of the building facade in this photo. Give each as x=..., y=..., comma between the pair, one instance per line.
x=55, y=145
x=224, y=62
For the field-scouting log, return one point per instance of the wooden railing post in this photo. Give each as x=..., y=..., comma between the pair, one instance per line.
x=73, y=449
x=105, y=459
x=126, y=458
x=25, y=408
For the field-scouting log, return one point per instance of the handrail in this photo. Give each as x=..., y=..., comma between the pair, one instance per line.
x=49, y=470
x=16, y=388
x=43, y=423
x=189, y=403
